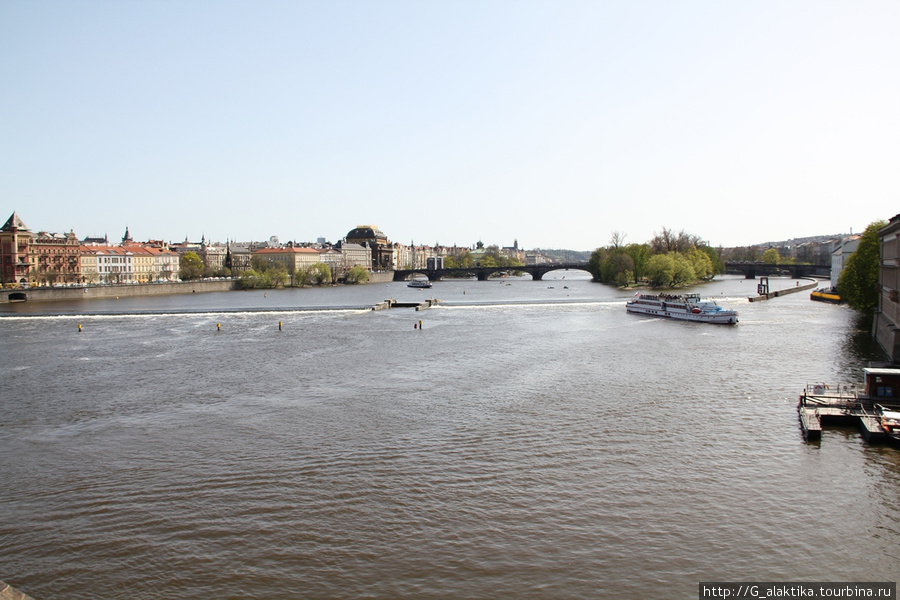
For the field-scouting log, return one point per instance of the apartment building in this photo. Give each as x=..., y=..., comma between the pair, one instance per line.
x=15, y=242
x=886, y=326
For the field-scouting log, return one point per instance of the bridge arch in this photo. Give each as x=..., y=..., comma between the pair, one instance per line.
x=537, y=272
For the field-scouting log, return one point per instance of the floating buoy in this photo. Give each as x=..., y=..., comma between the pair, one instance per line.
x=79, y=328
x=420, y=324
x=415, y=325
x=279, y=325
x=218, y=327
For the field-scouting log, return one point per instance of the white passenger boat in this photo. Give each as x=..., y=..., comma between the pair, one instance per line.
x=419, y=283
x=688, y=307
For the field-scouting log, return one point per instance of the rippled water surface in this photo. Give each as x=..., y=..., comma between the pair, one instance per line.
x=531, y=440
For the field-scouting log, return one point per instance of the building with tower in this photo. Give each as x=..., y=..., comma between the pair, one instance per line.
x=369, y=236
x=15, y=248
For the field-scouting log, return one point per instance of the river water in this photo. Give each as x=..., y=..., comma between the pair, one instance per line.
x=530, y=440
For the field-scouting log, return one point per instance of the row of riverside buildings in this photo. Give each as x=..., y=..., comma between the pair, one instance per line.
x=52, y=259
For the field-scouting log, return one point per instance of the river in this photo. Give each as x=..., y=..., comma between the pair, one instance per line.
x=531, y=441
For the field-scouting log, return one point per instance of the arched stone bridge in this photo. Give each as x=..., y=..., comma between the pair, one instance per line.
x=537, y=272
x=750, y=269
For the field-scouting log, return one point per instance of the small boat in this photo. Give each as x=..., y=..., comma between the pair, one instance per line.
x=826, y=295
x=687, y=307
x=419, y=283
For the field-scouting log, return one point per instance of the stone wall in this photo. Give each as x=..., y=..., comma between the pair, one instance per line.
x=8, y=592
x=381, y=277
x=44, y=294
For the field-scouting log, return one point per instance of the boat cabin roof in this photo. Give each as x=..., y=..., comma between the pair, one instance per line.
x=882, y=372
x=882, y=382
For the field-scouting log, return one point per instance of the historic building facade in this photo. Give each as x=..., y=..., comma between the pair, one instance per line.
x=886, y=326
x=293, y=259
x=15, y=248
x=55, y=259
x=374, y=239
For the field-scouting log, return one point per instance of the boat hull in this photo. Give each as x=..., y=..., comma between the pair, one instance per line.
x=683, y=309
x=821, y=296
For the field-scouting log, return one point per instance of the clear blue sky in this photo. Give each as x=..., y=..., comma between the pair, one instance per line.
x=551, y=122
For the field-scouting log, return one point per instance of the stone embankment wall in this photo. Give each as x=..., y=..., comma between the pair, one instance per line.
x=785, y=291
x=8, y=592
x=45, y=294
x=381, y=277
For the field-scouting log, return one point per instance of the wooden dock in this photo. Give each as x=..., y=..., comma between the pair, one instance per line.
x=820, y=407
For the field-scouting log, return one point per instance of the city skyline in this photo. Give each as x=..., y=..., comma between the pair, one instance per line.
x=447, y=123
x=115, y=239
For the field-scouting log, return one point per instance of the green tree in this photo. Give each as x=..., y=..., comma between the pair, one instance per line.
x=251, y=279
x=264, y=274
x=661, y=270
x=684, y=271
x=357, y=274
x=858, y=281
x=318, y=274
x=617, y=268
x=771, y=257
x=701, y=263
x=595, y=262
x=640, y=254
x=715, y=258
x=191, y=266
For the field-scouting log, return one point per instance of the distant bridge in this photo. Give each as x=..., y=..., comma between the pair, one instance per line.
x=537, y=272
x=750, y=269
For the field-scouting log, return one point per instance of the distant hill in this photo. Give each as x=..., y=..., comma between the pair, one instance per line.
x=805, y=240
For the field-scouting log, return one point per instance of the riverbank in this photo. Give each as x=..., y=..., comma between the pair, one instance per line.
x=88, y=292
x=51, y=294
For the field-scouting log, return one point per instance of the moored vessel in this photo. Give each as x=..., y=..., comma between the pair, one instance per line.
x=686, y=307
x=419, y=283
x=825, y=295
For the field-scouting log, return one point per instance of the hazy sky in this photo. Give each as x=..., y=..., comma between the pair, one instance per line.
x=551, y=122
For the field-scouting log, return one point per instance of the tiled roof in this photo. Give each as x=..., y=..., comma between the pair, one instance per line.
x=14, y=221
x=285, y=250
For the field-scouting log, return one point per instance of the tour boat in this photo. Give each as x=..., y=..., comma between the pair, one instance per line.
x=687, y=307
x=419, y=283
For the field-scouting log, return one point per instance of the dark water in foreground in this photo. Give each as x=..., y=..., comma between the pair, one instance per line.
x=531, y=441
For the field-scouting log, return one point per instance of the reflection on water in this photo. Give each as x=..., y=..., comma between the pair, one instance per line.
x=531, y=440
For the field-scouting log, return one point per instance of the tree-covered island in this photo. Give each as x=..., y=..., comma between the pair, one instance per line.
x=670, y=259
